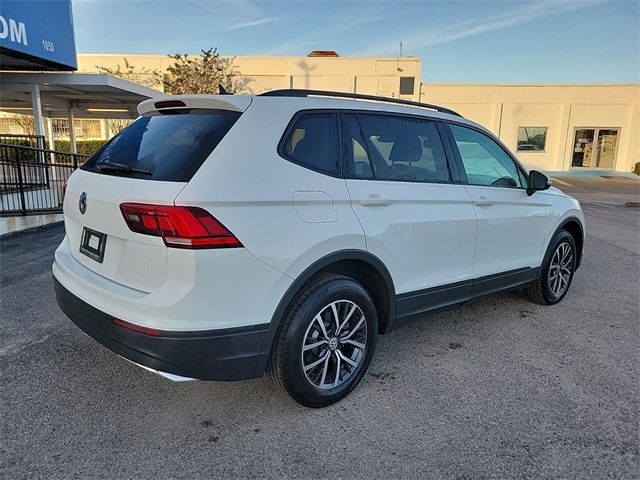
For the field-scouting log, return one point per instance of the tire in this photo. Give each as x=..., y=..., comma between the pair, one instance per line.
x=311, y=322
x=546, y=289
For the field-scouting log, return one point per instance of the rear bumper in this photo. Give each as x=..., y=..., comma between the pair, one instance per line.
x=225, y=354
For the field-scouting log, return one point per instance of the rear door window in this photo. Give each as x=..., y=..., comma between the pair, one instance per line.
x=314, y=143
x=169, y=147
x=388, y=147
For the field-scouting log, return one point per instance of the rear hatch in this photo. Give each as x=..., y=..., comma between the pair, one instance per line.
x=149, y=163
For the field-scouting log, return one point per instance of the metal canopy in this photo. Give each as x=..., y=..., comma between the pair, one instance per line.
x=87, y=95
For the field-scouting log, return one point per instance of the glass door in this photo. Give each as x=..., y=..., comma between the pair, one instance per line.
x=607, y=142
x=583, y=147
x=595, y=147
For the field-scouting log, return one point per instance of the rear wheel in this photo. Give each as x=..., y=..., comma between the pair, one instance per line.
x=326, y=341
x=557, y=270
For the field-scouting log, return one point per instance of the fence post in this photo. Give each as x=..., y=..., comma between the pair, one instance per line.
x=20, y=182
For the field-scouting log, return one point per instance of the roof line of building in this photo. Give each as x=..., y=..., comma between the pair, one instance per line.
x=151, y=55
x=551, y=85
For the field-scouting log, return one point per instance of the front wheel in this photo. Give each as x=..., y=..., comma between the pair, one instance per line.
x=557, y=270
x=326, y=341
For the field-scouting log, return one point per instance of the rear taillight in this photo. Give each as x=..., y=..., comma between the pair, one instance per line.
x=137, y=328
x=179, y=227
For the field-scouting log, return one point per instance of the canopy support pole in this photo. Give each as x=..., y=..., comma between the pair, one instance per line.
x=36, y=106
x=72, y=132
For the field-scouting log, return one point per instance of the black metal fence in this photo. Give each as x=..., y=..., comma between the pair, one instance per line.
x=32, y=179
x=33, y=141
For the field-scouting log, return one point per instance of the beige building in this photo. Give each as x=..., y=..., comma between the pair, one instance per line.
x=554, y=127
x=550, y=127
x=388, y=76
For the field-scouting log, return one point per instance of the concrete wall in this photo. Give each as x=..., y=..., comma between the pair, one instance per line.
x=370, y=75
x=560, y=108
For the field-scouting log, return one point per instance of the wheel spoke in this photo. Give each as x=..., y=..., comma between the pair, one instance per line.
x=355, y=344
x=336, y=318
x=347, y=359
x=318, y=319
x=317, y=362
x=337, y=379
x=325, y=369
x=344, y=322
x=314, y=345
x=354, y=330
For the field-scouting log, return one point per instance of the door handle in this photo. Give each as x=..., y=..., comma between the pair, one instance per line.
x=483, y=202
x=375, y=201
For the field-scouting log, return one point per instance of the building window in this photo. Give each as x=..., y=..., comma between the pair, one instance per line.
x=407, y=85
x=532, y=139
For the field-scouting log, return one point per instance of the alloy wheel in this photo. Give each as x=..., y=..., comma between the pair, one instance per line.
x=560, y=269
x=334, y=344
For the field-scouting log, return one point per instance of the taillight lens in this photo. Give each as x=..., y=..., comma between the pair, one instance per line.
x=179, y=227
x=137, y=328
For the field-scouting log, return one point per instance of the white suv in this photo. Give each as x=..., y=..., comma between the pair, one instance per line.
x=219, y=237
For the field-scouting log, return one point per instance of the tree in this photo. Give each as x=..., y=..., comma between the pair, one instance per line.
x=26, y=122
x=143, y=76
x=202, y=74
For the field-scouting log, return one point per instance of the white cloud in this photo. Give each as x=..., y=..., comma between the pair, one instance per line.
x=251, y=23
x=523, y=14
x=313, y=39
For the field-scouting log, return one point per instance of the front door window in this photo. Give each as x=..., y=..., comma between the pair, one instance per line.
x=594, y=147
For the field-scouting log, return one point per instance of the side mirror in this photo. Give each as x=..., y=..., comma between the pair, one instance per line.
x=537, y=181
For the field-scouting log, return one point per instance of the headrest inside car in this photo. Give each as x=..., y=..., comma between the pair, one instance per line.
x=406, y=148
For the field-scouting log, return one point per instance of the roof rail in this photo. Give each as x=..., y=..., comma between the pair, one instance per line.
x=355, y=96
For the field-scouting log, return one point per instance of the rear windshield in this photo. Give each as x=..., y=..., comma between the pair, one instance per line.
x=163, y=147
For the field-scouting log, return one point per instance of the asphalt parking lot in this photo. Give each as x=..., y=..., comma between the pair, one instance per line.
x=501, y=388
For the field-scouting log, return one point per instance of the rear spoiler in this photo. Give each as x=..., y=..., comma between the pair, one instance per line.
x=234, y=103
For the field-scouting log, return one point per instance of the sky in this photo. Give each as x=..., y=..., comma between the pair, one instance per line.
x=545, y=41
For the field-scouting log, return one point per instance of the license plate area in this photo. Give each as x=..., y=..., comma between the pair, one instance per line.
x=93, y=244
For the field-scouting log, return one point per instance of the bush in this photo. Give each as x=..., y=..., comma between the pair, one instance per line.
x=84, y=147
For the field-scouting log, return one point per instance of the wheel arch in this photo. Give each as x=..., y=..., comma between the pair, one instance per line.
x=360, y=265
x=574, y=226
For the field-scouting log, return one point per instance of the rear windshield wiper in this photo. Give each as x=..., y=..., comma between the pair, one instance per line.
x=121, y=168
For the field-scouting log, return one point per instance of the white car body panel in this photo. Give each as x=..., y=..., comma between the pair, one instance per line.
x=256, y=204
x=289, y=218
x=511, y=229
x=131, y=259
x=412, y=231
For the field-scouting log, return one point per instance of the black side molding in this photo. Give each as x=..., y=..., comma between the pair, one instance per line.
x=413, y=305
